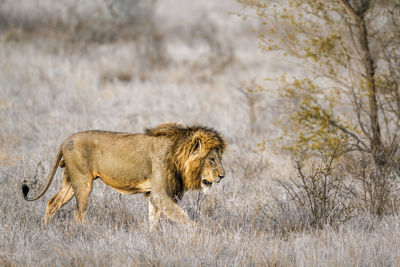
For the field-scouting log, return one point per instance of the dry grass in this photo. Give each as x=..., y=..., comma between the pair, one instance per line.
x=231, y=230
x=54, y=84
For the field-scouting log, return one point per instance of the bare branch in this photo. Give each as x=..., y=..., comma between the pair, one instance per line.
x=350, y=10
x=334, y=124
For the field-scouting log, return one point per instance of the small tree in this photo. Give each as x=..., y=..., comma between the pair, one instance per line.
x=349, y=53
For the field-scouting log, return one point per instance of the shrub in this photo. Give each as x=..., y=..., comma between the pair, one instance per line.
x=315, y=198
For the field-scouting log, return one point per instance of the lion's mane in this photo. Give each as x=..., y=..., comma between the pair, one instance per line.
x=183, y=165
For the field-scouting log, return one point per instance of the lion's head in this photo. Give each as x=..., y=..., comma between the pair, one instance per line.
x=195, y=157
x=212, y=171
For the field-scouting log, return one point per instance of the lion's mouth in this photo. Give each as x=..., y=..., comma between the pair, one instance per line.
x=207, y=183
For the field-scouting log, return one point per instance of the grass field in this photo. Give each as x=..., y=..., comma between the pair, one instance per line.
x=71, y=66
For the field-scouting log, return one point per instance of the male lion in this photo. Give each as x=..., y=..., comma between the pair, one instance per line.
x=163, y=162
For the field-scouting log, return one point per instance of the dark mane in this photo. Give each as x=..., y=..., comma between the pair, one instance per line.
x=186, y=140
x=178, y=133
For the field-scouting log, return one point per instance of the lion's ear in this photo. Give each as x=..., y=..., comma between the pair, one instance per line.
x=197, y=145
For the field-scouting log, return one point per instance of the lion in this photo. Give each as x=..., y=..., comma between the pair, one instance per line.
x=161, y=163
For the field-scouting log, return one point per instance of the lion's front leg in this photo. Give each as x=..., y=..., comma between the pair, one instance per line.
x=159, y=198
x=167, y=206
x=154, y=216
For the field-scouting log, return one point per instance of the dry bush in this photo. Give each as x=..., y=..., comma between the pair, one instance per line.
x=314, y=199
x=334, y=191
x=377, y=185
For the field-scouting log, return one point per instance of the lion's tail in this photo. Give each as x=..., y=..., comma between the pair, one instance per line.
x=25, y=187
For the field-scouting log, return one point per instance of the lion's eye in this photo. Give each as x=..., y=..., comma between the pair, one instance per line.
x=212, y=161
x=206, y=182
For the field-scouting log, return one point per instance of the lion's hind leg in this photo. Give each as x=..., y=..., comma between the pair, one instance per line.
x=64, y=195
x=82, y=185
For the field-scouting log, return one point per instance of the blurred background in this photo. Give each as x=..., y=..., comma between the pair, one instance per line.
x=125, y=65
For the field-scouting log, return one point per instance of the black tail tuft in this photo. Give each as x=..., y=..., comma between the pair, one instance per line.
x=25, y=190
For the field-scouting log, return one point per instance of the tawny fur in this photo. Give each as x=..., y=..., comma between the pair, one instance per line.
x=164, y=162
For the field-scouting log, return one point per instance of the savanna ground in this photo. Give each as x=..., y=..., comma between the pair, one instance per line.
x=69, y=66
